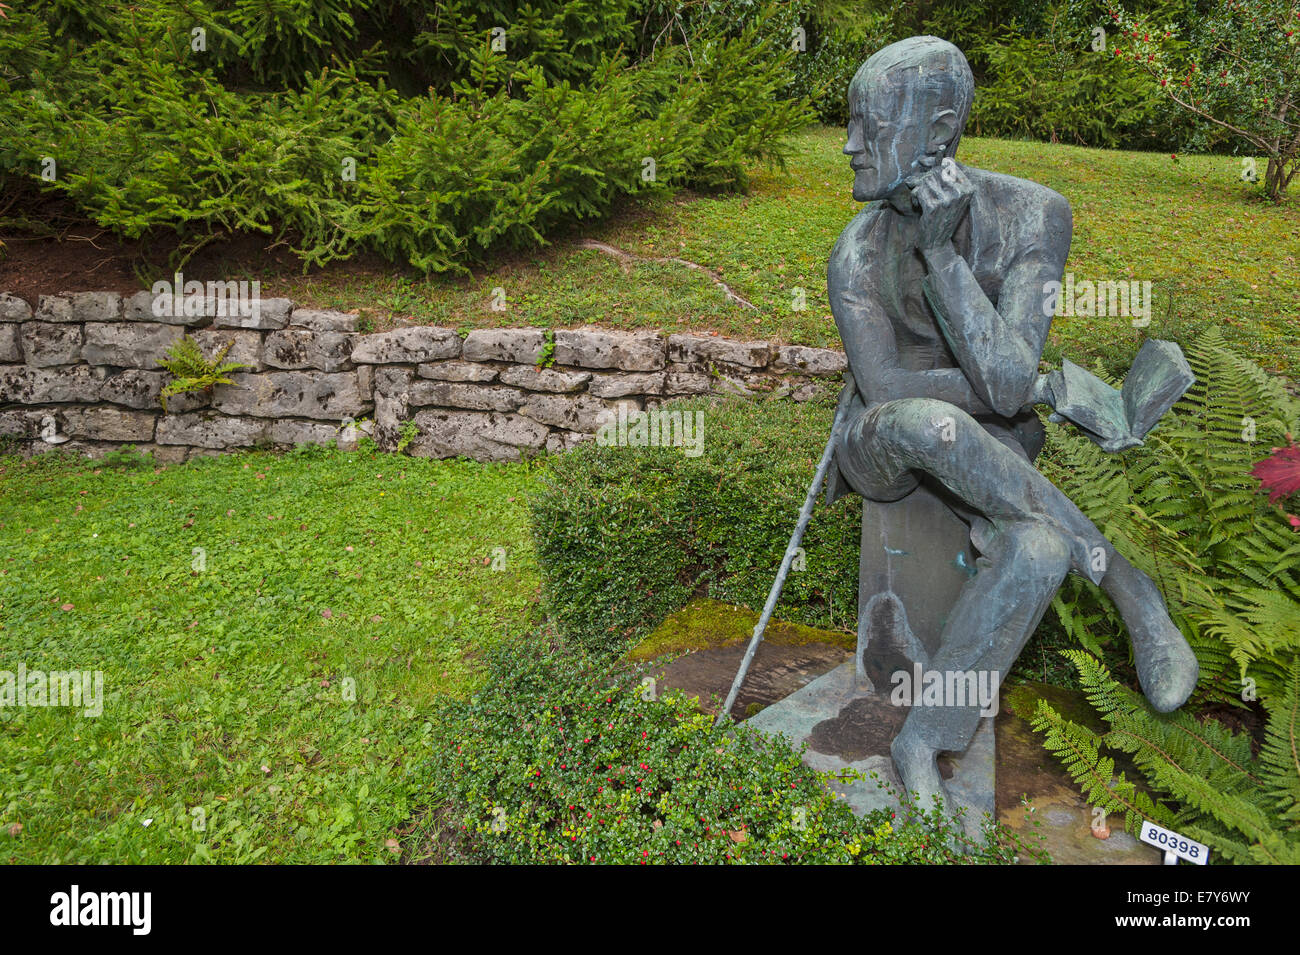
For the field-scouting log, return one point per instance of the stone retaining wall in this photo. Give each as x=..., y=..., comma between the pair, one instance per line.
x=82, y=373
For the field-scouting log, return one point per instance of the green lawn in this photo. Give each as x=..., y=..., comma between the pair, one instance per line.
x=1190, y=226
x=327, y=576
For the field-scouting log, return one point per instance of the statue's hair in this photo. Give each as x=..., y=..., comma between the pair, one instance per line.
x=934, y=68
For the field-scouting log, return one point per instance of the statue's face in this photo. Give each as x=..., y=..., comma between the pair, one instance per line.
x=885, y=143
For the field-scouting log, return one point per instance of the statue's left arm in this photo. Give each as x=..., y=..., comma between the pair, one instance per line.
x=998, y=347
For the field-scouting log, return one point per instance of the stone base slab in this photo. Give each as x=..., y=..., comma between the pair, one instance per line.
x=848, y=726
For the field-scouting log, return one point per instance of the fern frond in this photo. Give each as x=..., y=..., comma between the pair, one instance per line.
x=193, y=371
x=1280, y=755
x=1079, y=750
x=1246, y=808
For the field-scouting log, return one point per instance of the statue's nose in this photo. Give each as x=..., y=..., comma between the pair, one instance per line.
x=853, y=145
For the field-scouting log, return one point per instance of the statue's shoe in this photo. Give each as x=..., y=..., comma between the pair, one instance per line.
x=924, y=790
x=1166, y=666
x=918, y=770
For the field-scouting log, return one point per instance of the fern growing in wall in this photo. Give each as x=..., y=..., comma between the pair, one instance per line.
x=192, y=371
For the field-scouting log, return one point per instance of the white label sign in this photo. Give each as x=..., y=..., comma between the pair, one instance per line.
x=1175, y=846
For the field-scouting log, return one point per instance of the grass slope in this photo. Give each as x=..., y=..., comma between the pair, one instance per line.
x=226, y=690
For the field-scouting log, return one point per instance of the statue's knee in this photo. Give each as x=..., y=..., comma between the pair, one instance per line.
x=926, y=424
x=1042, y=551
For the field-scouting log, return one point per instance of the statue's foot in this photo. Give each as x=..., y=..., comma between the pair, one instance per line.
x=1167, y=667
x=918, y=769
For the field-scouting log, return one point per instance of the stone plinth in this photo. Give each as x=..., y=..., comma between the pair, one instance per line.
x=847, y=726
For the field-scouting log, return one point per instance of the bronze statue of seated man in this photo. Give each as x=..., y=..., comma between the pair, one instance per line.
x=937, y=289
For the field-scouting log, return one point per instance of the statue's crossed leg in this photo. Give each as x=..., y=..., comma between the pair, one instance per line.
x=1029, y=536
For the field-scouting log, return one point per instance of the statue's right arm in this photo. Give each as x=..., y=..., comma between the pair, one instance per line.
x=853, y=283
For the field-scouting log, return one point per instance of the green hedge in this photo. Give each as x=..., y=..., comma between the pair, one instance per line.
x=1037, y=74
x=626, y=535
x=563, y=757
x=391, y=127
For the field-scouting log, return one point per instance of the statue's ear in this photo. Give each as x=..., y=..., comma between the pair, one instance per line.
x=943, y=127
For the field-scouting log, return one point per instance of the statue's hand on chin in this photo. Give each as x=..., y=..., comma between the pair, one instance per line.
x=943, y=195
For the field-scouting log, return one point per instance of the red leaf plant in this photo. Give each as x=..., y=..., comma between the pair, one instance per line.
x=1279, y=474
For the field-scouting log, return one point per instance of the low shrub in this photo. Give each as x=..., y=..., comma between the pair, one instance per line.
x=626, y=535
x=564, y=757
x=1051, y=89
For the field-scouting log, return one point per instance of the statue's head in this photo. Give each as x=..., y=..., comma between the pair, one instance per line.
x=907, y=108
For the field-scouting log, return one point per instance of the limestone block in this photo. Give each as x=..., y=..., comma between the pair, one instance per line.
x=292, y=431
x=128, y=344
x=50, y=343
x=323, y=320
x=13, y=308
x=703, y=348
x=572, y=413
x=36, y=386
x=810, y=361
x=621, y=385
x=144, y=306
x=109, y=424
x=265, y=314
x=523, y=345
x=406, y=345
x=208, y=430
x=596, y=348
x=135, y=388
x=532, y=378
x=451, y=394
x=458, y=371
x=478, y=435
x=680, y=380
x=291, y=394
x=296, y=348
x=80, y=307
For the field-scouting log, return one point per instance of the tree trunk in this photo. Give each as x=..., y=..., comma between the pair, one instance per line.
x=1273, y=179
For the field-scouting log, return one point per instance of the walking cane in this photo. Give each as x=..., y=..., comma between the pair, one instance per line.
x=805, y=514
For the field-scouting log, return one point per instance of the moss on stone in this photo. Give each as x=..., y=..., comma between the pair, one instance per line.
x=1022, y=700
x=705, y=623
